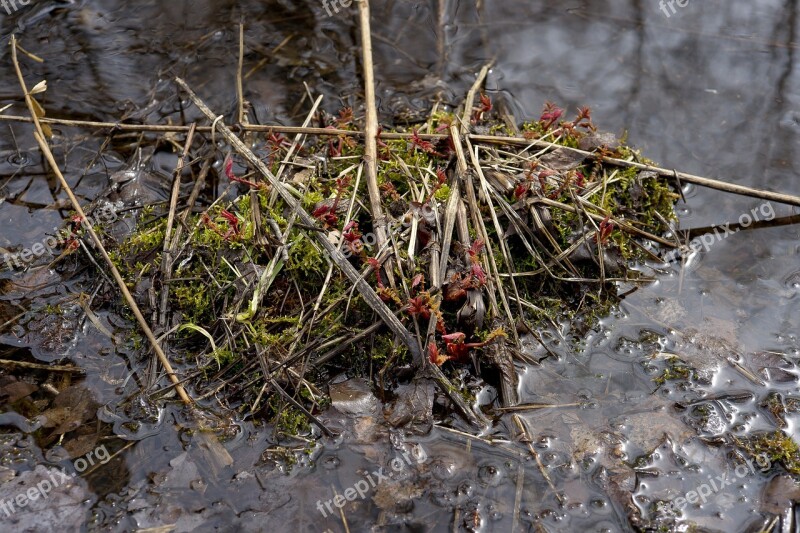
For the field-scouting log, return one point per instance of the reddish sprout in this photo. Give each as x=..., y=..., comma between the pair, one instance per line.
x=604, y=230
x=521, y=191
x=345, y=116
x=550, y=115
x=233, y=177
x=376, y=266
x=422, y=144
x=581, y=181
x=485, y=107
x=419, y=307
x=434, y=356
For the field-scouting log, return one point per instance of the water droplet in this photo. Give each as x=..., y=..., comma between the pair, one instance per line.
x=792, y=281
x=56, y=454
x=442, y=469
x=490, y=475
x=20, y=159
x=331, y=462
x=465, y=489
x=598, y=504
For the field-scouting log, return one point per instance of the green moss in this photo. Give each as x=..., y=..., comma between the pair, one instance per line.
x=777, y=447
x=223, y=356
x=443, y=193
x=311, y=199
x=194, y=299
x=675, y=370
x=286, y=418
x=306, y=258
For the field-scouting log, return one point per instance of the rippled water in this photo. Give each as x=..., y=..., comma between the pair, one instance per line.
x=711, y=90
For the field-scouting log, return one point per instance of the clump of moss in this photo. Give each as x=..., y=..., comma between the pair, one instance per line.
x=287, y=418
x=778, y=447
x=676, y=369
x=258, y=282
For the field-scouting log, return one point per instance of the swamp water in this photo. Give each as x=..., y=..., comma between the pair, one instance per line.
x=623, y=428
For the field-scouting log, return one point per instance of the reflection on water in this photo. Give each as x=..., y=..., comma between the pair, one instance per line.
x=711, y=90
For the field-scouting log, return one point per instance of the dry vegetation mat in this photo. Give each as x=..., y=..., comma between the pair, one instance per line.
x=293, y=275
x=420, y=256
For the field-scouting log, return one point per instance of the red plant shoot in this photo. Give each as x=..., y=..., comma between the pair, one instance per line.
x=584, y=119
x=327, y=212
x=345, y=117
x=352, y=237
x=422, y=144
x=419, y=307
x=458, y=350
x=376, y=267
x=485, y=107
x=581, y=181
x=474, y=256
x=233, y=221
x=604, y=230
x=434, y=356
x=521, y=190
x=233, y=177
x=276, y=142
x=550, y=115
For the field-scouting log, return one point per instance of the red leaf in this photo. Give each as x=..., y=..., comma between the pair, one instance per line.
x=424, y=145
x=434, y=356
x=477, y=246
x=232, y=176
x=477, y=271
x=320, y=212
x=454, y=337
x=521, y=191
x=419, y=307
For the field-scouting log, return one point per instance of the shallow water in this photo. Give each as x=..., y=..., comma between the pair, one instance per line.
x=710, y=90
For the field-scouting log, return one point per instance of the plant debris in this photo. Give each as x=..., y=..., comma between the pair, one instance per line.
x=531, y=237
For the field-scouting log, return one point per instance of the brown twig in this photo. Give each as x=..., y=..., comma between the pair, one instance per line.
x=169, y=245
x=47, y=368
x=371, y=135
x=40, y=138
x=239, y=84
x=663, y=172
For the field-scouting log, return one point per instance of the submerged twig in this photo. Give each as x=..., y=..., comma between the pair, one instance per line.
x=47, y=368
x=40, y=139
